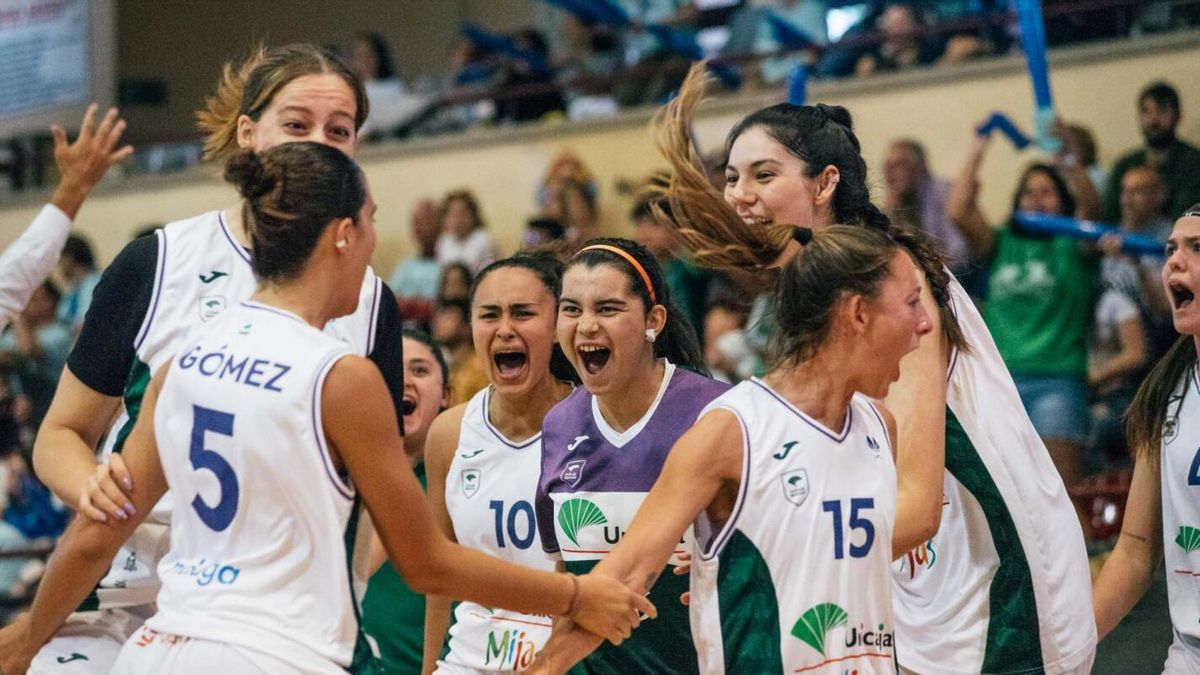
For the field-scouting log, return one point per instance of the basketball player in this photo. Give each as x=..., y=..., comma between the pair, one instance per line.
x=277, y=432
x=485, y=458
x=393, y=615
x=158, y=289
x=790, y=479
x=604, y=445
x=1162, y=513
x=1003, y=584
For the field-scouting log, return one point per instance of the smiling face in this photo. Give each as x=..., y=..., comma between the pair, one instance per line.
x=1039, y=194
x=895, y=322
x=765, y=183
x=602, y=327
x=512, y=326
x=1181, y=275
x=319, y=108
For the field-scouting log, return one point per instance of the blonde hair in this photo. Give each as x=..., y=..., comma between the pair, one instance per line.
x=248, y=88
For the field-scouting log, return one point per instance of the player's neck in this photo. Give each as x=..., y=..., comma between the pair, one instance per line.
x=519, y=416
x=237, y=224
x=622, y=407
x=297, y=298
x=816, y=388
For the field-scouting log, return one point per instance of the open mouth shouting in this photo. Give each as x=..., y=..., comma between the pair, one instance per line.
x=510, y=364
x=593, y=357
x=1181, y=295
x=408, y=405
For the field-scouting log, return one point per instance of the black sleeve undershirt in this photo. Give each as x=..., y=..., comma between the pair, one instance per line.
x=388, y=354
x=104, y=353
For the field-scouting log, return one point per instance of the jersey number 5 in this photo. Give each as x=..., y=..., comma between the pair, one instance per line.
x=857, y=522
x=216, y=517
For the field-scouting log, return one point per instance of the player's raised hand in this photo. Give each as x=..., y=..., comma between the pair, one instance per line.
x=85, y=161
x=607, y=608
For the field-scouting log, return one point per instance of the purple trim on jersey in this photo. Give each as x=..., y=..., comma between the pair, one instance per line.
x=158, y=282
x=374, y=317
x=953, y=350
x=343, y=488
x=241, y=250
x=602, y=467
x=810, y=421
x=251, y=304
x=487, y=394
x=886, y=434
x=730, y=525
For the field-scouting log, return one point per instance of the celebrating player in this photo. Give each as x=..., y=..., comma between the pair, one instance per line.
x=1162, y=513
x=1007, y=590
x=484, y=459
x=790, y=479
x=154, y=293
x=605, y=444
x=270, y=434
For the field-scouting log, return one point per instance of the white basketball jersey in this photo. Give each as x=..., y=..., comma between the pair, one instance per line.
x=798, y=580
x=1181, y=505
x=1004, y=585
x=490, y=488
x=201, y=271
x=262, y=526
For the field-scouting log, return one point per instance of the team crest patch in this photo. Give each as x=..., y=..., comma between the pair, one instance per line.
x=1170, y=429
x=572, y=473
x=795, y=486
x=470, y=481
x=210, y=306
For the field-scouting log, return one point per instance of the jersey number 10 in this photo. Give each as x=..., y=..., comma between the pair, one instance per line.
x=520, y=507
x=219, y=516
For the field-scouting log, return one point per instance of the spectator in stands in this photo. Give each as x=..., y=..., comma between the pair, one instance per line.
x=1117, y=359
x=542, y=233
x=565, y=168
x=579, y=215
x=915, y=198
x=751, y=32
x=537, y=93
x=589, y=55
x=905, y=44
x=455, y=283
x=691, y=287
x=77, y=269
x=1079, y=148
x=727, y=354
x=16, y=574
x=1177, y=161
x=1039, y=303
x=35, y=349
x=657, y=78
x=1139, y=277
x=452, y=333
x=391, y=103
x=464, y=237
x=416, y=277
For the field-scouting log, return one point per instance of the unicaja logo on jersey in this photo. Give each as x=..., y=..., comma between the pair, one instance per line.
x=576, y=514
x=795, y=486
x=1188, y=538
x=813, y=628
x=471, y=479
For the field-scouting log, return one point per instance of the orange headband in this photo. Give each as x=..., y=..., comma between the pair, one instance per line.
x=629, y=259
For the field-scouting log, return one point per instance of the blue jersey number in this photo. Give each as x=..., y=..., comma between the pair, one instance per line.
x=219, y=516
x=857, y=522
x=1194, y=472
x=521, y=507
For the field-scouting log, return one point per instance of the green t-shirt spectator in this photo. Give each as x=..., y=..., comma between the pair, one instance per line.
x=394, y=616
x=1039, y=304
x=1180, y=172
x=689, y=288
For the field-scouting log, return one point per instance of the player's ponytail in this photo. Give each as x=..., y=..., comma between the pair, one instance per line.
x=293, y=192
